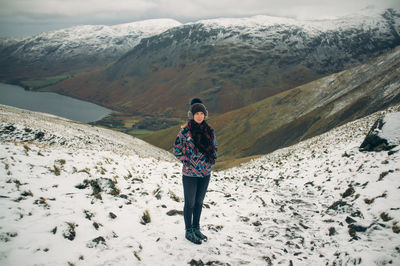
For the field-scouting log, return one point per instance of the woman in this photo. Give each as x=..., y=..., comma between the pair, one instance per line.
x=196, y=147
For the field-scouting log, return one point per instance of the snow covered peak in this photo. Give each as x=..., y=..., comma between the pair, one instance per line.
x=255, y=21
x=92, y=32
x=99, y=41
x=151, y=25
x=364, y=18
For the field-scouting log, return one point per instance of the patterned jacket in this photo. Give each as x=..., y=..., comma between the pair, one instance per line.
x=194, y=162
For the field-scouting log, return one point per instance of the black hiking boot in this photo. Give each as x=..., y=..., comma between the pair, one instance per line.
x=192, y=237
x=200, y=234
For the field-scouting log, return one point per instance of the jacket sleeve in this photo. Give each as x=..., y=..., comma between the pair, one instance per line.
x=179, y=148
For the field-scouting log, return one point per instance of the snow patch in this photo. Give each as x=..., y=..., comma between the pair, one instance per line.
x=391, y=128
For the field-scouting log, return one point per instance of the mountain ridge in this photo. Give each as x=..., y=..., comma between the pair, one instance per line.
x=232, y=67
x=75, y=47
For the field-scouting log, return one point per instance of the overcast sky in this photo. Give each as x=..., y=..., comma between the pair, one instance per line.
x=29, y=17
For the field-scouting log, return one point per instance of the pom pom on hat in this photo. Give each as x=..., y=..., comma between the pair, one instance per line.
x=195, y=100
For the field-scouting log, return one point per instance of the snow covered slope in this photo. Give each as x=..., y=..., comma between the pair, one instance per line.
x=42, y=128
x=80, y=195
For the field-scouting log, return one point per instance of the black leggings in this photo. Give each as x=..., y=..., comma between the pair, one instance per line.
x=194, y=190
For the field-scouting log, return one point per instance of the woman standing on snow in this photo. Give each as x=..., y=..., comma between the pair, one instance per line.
x=196, y=147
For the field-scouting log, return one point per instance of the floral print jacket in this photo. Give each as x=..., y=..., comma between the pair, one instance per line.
x=195, y=163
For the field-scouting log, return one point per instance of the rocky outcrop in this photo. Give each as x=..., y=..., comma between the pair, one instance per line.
x=384, y=134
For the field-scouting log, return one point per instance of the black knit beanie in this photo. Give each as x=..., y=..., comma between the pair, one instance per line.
x=196, y=105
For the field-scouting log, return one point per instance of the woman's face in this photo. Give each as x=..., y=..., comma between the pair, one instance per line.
x=198, y=117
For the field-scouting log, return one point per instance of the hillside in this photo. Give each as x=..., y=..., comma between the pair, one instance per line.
x=148, y=70
x=302, y=112
x=77, y=195
x=232, y=63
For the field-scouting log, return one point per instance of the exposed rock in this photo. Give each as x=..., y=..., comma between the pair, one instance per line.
x=5, y=237
x=199, y=262
x=357, y=214
x=99, y=240
x=145, y=218
x=335, y=206
x=257, y=223
x=70, y=232
x=385, y=217
x=396, y=228
x=384, y=134
x=332, y=231
x=196, y=263
x=350, y=191
x=357, y=228
x=39, y=135
x=372, y=141
x=350, y=220
x=174, y=212
x=96, y=225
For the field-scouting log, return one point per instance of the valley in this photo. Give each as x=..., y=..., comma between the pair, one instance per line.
x=268, y=82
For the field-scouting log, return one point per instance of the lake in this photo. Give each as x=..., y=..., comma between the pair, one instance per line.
x=52, y=103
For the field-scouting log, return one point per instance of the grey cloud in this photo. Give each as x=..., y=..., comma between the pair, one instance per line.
x=22, y=17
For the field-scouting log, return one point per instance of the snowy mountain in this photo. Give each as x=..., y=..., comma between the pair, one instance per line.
x=323, y=46
x=99, y=40
x=79, y=46
x=281, y=34
x=75, y=194
x=231, y=63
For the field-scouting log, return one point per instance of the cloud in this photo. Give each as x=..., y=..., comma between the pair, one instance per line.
x=72, y=7
x=59, y=13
